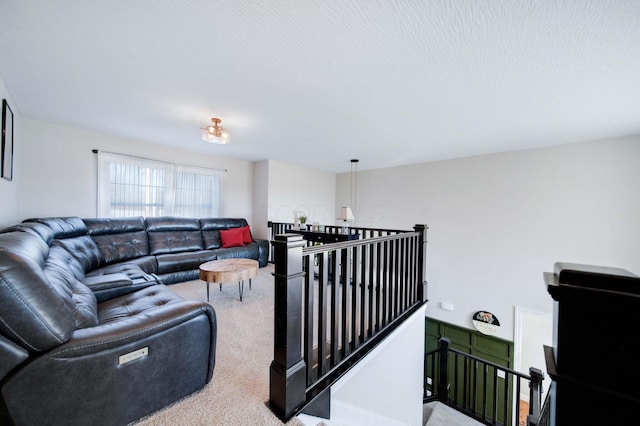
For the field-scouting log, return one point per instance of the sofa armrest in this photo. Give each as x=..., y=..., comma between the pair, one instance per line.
x=107, y=281
x=120, y=332
x=263, y=249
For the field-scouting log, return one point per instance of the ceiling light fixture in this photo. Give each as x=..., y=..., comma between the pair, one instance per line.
x=215, y=133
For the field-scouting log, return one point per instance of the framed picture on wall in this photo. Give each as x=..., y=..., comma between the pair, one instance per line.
x=7, y=141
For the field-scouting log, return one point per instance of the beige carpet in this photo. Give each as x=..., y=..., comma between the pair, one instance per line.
x=239, y=390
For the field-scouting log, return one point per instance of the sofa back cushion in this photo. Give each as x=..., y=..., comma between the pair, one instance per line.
x=64, y=273
x=34, y=314
x=62, y=227
x=119, y=239
x=72, y=234
x=84, y=249
x=211, y=228
x=173, y=234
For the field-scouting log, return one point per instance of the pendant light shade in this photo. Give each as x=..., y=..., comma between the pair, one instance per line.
x=215, y=133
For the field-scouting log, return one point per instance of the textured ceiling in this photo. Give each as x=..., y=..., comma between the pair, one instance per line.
x=320, y=82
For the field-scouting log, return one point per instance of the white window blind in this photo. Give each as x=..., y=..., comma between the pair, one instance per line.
x=133, y=186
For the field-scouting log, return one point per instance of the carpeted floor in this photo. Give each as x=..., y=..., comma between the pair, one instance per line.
x=239, y=391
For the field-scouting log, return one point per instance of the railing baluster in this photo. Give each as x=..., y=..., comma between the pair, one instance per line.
x=518, y=389
x=506, y=398
x=346, y=301
x=495, y=395
x=322, y=312
x=385, y=283
x=371, y=289
x=485, y=372
x=335, y=338
x=308, y=319
x=475, y=386
x=378, y=285
x=364, y=284
x=355, y=300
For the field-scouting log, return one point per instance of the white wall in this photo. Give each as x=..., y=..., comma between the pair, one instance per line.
x=58, y=170
x=9, y=189
x=498, y=221
x=295, y=188
x=385, y=388
x=259, y=228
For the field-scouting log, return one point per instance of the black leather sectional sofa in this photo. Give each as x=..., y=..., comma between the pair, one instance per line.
x=89, y=333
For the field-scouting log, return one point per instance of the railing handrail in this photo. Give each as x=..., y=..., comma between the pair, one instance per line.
x=492, y=364
x=353, y=243
x=339, y=227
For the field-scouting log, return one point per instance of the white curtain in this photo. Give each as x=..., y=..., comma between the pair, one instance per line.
x=133, y=186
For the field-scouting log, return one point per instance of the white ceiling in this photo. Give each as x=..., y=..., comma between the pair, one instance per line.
x=317, y=83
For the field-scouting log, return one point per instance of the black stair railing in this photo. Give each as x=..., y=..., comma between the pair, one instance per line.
x=278, y=228
x=335, y=302
x=479, y=388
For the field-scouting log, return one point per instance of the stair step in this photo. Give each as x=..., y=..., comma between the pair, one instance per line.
x=438, y=414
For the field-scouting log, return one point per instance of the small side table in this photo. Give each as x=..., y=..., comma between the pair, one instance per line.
x=227, y=270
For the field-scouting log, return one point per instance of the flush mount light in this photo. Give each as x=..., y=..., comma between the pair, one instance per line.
x=215, y=133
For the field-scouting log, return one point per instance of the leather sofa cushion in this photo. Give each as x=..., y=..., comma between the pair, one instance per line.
x=174, y=241
x=43, y=231
x=123, y=246
x=62, y=261
x=250, y=250
x=173, y=262
x=211, y=239
x=103, y=282
x=63, y=227
x=34, y=314
x=130, y=269
x=84, y=249
x=209, y=224
x=211, y=228
x=101, y=226
x=77, y=296
x=134, y=304
x=166, y=223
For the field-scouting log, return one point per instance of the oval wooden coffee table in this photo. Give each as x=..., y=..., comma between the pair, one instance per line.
x=228, y=270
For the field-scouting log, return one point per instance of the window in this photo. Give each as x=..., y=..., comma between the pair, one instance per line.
x=132, y=186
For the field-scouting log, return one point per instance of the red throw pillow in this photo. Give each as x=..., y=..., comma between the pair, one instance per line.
x=232, y=237
x=246, y=235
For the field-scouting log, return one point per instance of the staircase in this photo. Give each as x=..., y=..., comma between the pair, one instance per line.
x=438, y=414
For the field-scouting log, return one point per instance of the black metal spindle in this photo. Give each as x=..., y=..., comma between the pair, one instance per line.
x=322, y=312
x=505, y=409
x=385, y=283
x=346, y=301
x=355, y=300
x=308, y=317
x=335, y=339
x=378, y=286
x=495, y=395
x=371, y=288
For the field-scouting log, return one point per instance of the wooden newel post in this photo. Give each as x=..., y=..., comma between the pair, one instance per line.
x=443, y=373
x=422, y=251
x=535, y=393
x=287, y=378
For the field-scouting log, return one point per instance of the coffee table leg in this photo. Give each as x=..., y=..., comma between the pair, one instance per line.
x=249, y=283
x=240, y=288
x=207, y=291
